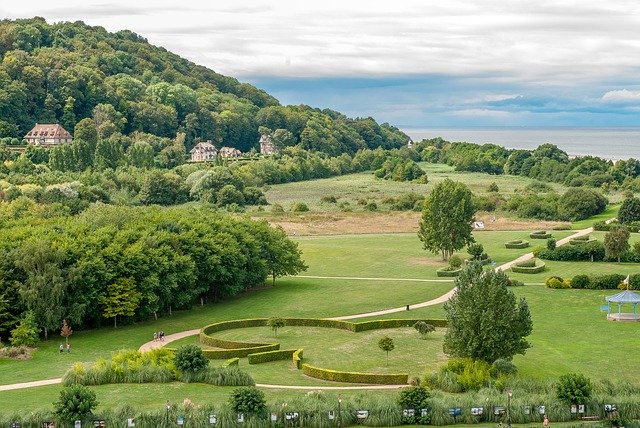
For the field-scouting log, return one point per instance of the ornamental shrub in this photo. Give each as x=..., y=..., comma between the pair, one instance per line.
x=505, y=367
x=527, y=263
x=417, y=398
x=573, y=388
x=26, y=333
x=455, y=262
x=76, y=402
x=557, y=282
x=551, y=244
x=190, y=358
x=248, y=400
x=580, y=281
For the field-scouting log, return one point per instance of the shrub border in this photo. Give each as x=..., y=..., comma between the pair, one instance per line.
x=355, y=377
x=448, y=273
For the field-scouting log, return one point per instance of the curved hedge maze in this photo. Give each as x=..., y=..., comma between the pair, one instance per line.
x=263, y=352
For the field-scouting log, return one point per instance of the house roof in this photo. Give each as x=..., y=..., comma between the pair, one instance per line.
x=627, y=296
x=204, y=146
x=48, y=130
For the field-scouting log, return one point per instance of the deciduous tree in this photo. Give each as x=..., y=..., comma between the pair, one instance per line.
x=484, y=320
x=616, y=243
x=387, y=345
x=122, y=299
x=447, y=216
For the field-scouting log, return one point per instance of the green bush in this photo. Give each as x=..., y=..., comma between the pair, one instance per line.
x=505, y=367
x=515, y=283
x=190, y=358
x=299, y=207
x=455, y=262
x=414, y=397
x=592, y=250
x=557, y=282
x=264, y=357
x=580, y=281
x=538, y=266
x=517, y=243
x=540, y=234
x=551, y=244
x=573, y=388
x=248, y=400
x=76, y=402
x=26, y=333
x=355, y=377
x=605, y=282
x=330, y=199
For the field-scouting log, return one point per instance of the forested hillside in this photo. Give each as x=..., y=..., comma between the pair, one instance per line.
x=66, y=72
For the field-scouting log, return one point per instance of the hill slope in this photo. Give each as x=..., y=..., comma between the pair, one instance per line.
x=65, y=72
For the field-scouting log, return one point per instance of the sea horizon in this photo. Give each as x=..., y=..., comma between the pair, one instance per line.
x=612, y=143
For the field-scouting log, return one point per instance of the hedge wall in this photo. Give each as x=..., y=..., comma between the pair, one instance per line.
x=224, y=354
x=231, y=362
x=355, y=377
x=518, y=243
x=537, y=268
x=397, y=323
x=540, y=234
x=297, y=358
x=265, y=357
x=569, y=253
x=442, y=272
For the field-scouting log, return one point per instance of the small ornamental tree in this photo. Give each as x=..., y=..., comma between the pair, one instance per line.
x=66, y=331
x=573, y=388
x=551, y=244
x=424, y=328
x=190, y=359
x=416, y=398
x=76, y=402
x=386, y=344
x=275, y=323
x=248, y=400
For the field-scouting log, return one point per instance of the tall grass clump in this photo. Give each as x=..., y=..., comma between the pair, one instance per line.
x=218, y=376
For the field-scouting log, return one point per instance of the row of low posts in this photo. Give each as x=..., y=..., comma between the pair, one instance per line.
x=290, y=418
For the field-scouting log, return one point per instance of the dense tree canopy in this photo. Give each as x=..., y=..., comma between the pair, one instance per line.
x=447, y=215
x=484, y=320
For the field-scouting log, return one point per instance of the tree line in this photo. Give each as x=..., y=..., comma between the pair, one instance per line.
x=132, y=263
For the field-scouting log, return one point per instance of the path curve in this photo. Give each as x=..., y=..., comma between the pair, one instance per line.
x=175, y=336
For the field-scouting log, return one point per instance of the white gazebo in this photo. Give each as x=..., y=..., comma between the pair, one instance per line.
x=626, y=296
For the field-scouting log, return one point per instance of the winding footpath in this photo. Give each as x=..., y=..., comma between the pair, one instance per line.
x=175, y=336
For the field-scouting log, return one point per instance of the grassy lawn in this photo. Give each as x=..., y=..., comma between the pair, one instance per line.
x=610, y=212
x=570, y=333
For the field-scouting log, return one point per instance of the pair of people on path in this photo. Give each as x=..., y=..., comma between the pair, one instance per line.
x=158, y=336
x=62, y=347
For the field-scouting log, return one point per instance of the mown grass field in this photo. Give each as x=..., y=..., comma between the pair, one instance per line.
x=570, y=333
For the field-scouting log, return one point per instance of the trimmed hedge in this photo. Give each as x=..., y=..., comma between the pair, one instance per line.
x=584, y=239
x=527, y=263
x=570, y=253
x=443, y=272
x=231, y=362
x=538, y=267
x=265, y=357
x=540, y=234
x=355, y=377
x=395, y=323
x=297, y=358
x=517, y=243
x=224, y=354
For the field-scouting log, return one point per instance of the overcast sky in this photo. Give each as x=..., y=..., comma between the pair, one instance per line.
x=452, y=63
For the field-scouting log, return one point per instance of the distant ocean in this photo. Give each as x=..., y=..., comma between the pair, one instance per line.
x=608, y=143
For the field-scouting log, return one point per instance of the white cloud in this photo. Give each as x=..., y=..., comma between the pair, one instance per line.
x=622, y=95
x=501, y=97
x=563, y=42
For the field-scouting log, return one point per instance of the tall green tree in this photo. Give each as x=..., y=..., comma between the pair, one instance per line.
x=629, y=210
x=44, y=285
x=484, y=320
x=122, y=299
x=616, y=243
x=447, y=217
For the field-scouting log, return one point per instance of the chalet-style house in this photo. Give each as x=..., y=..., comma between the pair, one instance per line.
x=229, y=152
x=203, y=152
x=48, y=135
x=266, y=145
x=409, y=144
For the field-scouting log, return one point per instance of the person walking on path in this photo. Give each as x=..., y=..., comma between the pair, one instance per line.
x=61, y=348
x=68, y=348
x=546, y=422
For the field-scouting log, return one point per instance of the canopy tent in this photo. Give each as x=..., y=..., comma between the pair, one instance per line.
x=626, y=296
